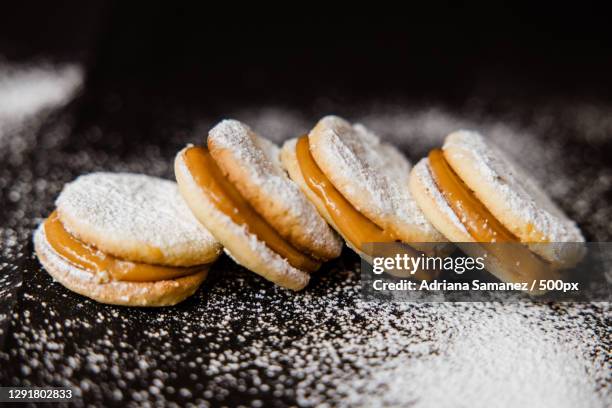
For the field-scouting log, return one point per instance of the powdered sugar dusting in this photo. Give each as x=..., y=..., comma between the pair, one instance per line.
x=489, y=355
x=514, y=188
x=135, y=208
x=349, y=148
x=241, y=340
x=275, y=261
x=261, y=158
x=28, y=90
x=377, y=170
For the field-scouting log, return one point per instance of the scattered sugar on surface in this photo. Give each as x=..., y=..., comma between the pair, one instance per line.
x=242, y=340
x=505, y=356
x=27, y=90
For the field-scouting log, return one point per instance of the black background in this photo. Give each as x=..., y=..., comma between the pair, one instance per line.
x=215, y=56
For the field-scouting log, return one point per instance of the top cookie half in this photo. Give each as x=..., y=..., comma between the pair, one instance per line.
x=510, y=194
x=373, y=176
x=135, y=217
x=252, y=164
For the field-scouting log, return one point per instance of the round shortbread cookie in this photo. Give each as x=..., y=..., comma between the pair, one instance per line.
x=87, y=283
x=442, y=216
x=137, y=218
x=372, y=176
x=513, y=197
x=252, y=164
x=244, y=247
x=290, y=162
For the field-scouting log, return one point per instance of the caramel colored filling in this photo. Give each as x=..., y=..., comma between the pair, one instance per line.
x=228, y=200
x=353, y=225
x=481, y=224
x=92, y=259
x=476, y=218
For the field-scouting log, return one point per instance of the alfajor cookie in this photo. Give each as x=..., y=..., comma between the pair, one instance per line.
x=359, y=185
x=125, y=239
x=472, y=192
x=238, y=189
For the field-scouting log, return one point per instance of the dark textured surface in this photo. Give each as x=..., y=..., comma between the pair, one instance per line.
x=240, y=339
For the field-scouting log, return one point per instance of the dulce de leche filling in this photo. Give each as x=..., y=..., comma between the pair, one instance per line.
x=228, y=200
x=476, y=218
x=353, y=225
x=481, y=224
x=92, y=259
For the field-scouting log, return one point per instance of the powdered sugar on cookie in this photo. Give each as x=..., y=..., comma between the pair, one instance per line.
x=516, y=194
x=254, y=167
x=372, y=175
x=514, y=198
x=278, y=269
x=134, y=210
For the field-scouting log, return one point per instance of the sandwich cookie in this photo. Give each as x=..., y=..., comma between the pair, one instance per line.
x=472, y=192
x=359, y=185
x=125, y=239
x=238, y=189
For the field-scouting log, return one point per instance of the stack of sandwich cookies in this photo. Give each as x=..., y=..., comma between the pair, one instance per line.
x=125, y=239
x=238, y=189
x=359, y=185
x=471, y=192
